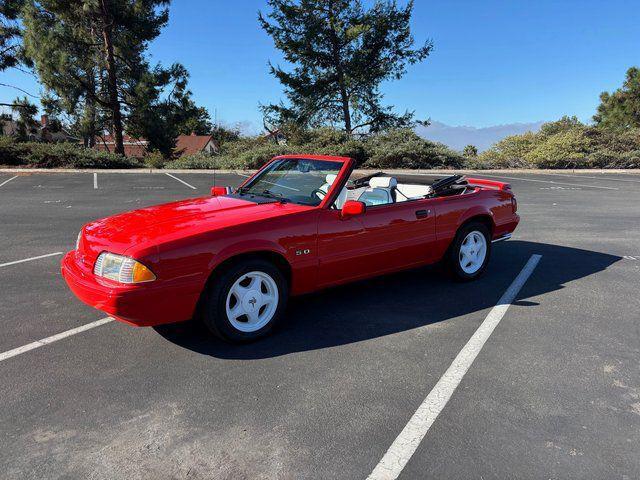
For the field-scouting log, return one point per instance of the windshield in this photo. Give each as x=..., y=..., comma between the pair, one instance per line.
x=294, y=180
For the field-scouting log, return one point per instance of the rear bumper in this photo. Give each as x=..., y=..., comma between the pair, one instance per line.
x=140, y=305
x=506, y=236
x=505, y=230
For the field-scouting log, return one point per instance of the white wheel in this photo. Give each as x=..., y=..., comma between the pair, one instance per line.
x=473, y=252
x=252, y=301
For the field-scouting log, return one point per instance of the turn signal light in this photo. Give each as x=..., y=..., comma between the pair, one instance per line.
x=142, y=273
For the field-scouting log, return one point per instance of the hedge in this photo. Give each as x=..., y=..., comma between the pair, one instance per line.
x=394, y=149
x=59, y=155
x=563, y=144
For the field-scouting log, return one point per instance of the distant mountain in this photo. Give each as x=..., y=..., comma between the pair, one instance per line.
x=459, y=137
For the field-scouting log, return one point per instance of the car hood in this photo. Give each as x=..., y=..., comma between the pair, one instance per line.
x=151, y=226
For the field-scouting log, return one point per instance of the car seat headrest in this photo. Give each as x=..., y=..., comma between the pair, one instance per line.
x=331, y=178
x=383, y=182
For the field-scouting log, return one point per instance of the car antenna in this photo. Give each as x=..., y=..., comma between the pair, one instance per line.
x=214, y=171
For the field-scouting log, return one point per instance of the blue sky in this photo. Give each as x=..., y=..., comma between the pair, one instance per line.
x=494, y=62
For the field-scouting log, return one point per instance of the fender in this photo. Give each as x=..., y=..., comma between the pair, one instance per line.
x=244, y=247
x=303, y=276
x=475, y=211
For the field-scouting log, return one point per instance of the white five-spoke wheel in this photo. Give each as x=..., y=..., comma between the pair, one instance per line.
x=252, y=301
x=470, y=250
x=245, y=299
x=473, y=252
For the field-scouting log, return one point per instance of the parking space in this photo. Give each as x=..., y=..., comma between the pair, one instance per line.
x=554, y=393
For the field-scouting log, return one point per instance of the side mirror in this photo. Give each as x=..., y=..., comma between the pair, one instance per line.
x=218, y=191
x=351, y=208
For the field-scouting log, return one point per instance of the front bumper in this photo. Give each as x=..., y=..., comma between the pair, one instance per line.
x=141, y=305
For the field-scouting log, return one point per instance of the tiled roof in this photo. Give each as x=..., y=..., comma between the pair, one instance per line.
x=190, y=144
x=137, y=147
x=133, y=147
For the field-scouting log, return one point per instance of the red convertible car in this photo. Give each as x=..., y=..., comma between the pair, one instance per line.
x=300, y=224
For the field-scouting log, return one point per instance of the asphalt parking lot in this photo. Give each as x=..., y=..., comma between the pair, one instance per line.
x=554, y=393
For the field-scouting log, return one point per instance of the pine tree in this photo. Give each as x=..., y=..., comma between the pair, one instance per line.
x=620, y=110
x=91, y=54
x=160, y=117
x=25, y=123
x=341, y=53
x=10, y=33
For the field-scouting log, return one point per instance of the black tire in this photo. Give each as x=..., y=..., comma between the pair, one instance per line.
x=213, y=303
x=453, y=260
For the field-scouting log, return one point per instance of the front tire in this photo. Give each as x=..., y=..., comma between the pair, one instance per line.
x=246, y=301
x=469, y=253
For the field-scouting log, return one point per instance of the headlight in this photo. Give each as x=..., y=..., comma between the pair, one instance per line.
x=122, y=269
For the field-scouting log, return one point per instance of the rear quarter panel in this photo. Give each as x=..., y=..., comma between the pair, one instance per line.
x=452, y=212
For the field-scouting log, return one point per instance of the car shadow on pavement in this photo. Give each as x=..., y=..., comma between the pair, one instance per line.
x=404, y=301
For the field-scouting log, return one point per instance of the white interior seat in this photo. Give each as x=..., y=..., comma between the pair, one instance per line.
x=411, y=191
x=380, y=191
x=342, y=197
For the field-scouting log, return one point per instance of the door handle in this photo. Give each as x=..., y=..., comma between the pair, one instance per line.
x=422, y=213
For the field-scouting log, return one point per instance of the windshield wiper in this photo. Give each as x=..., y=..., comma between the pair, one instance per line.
x=277, y=196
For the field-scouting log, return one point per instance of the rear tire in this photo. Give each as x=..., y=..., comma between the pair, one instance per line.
x=470, y=251
x=245, y=302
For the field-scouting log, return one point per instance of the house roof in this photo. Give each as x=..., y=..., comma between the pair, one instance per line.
x=137, y=147
x=190, y=144
x=133, y=147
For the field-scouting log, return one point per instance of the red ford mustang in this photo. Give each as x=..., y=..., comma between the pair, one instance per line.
x=299, y=224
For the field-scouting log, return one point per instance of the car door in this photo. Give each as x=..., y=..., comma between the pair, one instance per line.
x=384, y=238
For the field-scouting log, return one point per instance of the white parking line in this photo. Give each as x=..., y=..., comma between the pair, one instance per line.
x=54, y=338
x=181, y=181
x=603, y=177
x=404, y=446
x=7, y=181
x=30, y=259
x=95, y=181
x=546, y=181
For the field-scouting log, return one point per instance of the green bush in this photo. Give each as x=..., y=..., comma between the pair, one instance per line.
x=510, y=152
x=403, y=148
x=154, y=159
x=12, y=152
x=196, y=162
x=59, y=155
x=394, y=149
x=566, y=149
x=565, y=143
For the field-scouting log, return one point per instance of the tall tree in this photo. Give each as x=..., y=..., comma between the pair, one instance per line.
x=620, y=110
x=341, y=53
x=165, y=110
x=10, y=33
x=62, y=45
x=93, y=51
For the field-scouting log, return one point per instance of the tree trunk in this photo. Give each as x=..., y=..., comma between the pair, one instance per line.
x=112, y=79
x=90, y=113
x=90, y=123
x=336, y=54
x=345, y=102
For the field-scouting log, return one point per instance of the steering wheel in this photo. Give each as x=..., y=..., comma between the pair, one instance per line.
x=317, y=193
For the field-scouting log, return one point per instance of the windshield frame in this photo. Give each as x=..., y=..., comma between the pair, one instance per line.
x=343, y=174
